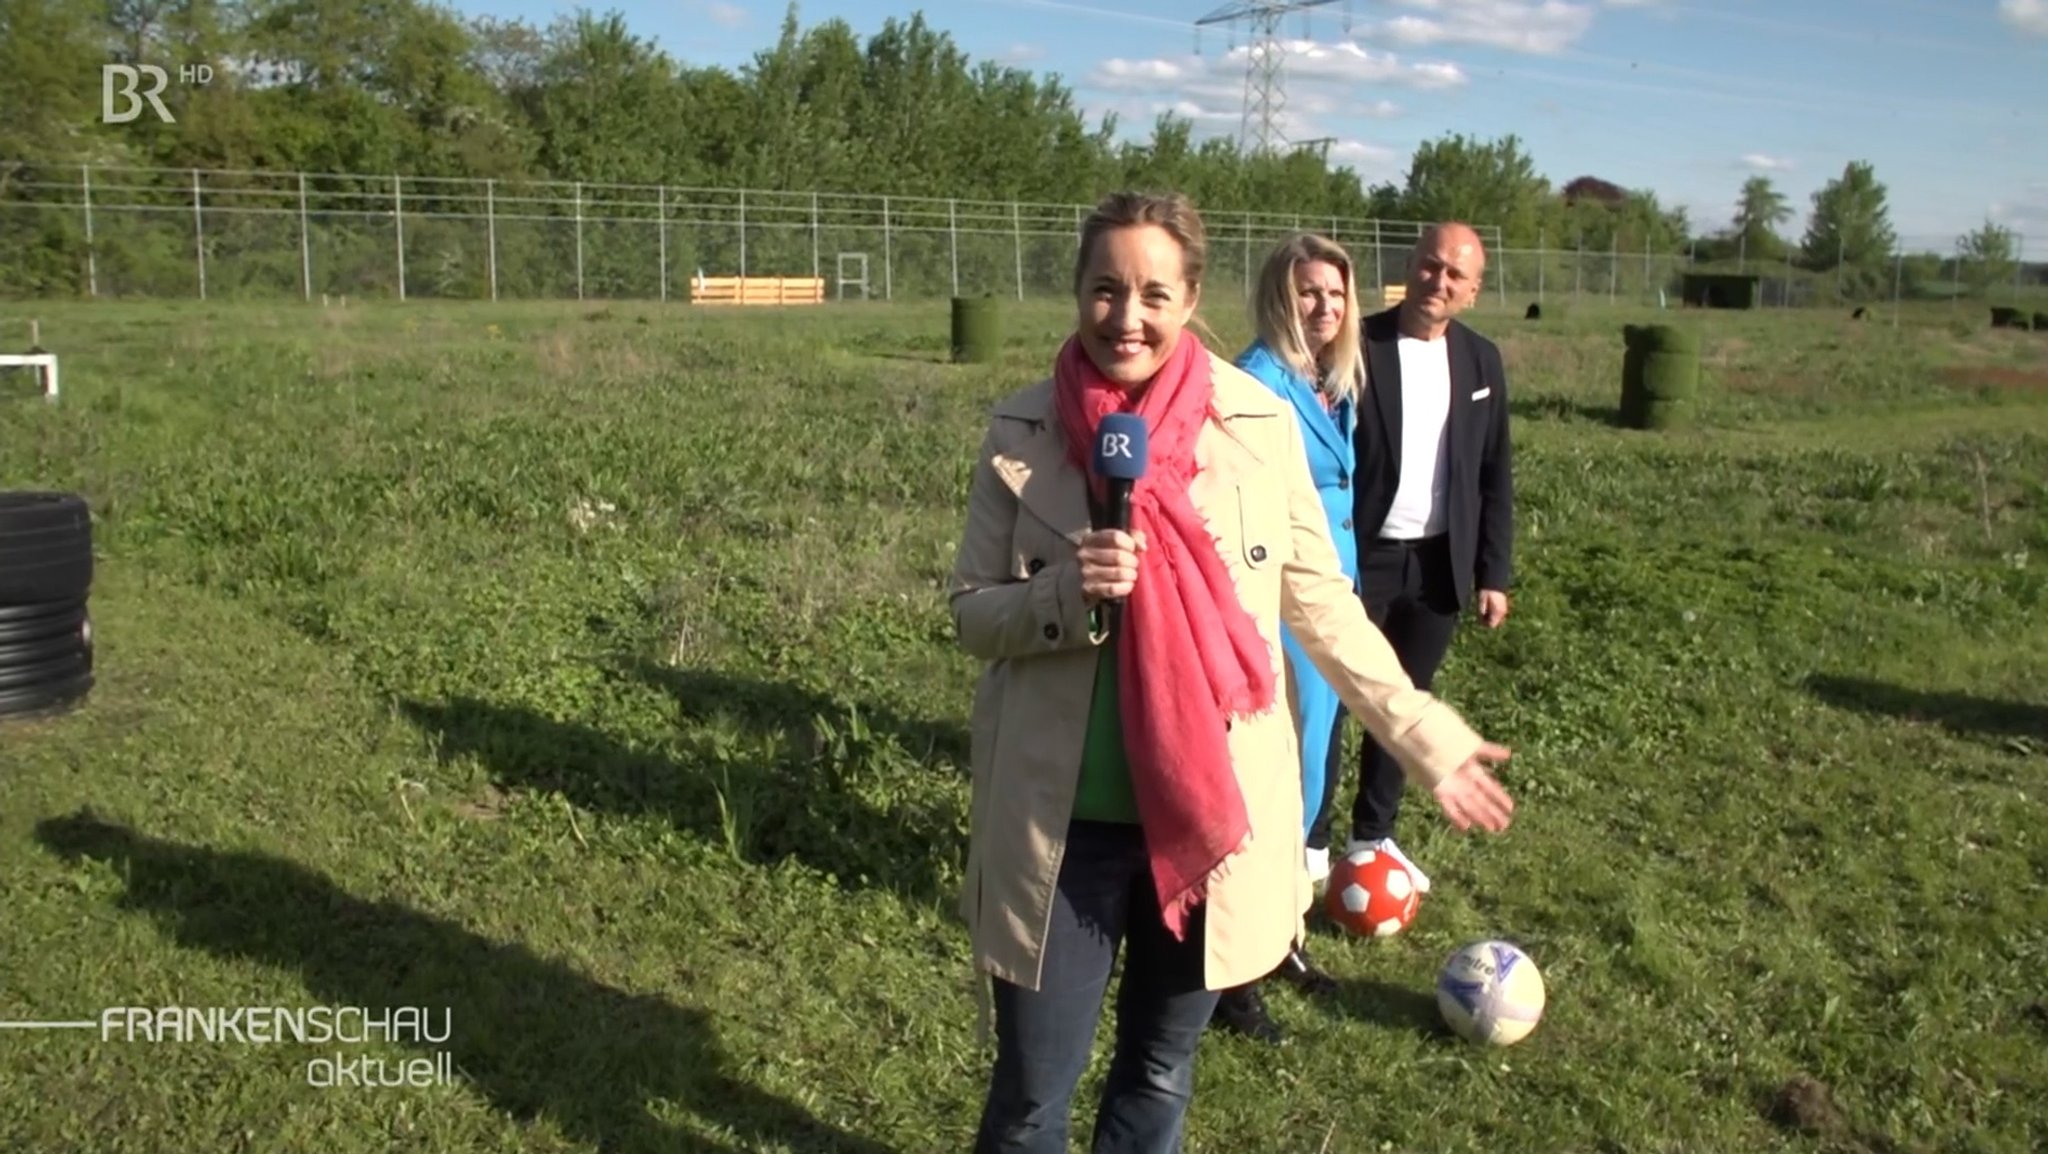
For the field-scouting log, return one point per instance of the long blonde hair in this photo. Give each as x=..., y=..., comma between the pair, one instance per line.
x=1278, y=319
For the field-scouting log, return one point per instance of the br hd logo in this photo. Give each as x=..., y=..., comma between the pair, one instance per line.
x=131, y=76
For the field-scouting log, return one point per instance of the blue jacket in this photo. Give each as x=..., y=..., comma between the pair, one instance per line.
x=1332, y=457
x=1333, y=463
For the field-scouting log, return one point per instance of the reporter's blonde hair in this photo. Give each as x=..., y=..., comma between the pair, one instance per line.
x=1341, y=372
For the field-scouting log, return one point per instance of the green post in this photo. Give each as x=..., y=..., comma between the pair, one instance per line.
x=977, y=330
x=1660, y=376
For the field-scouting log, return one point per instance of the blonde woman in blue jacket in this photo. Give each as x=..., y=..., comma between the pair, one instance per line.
x=1308, y=352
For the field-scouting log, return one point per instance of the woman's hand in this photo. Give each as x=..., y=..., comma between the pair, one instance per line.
x=1470, y=796
x=1109, y=564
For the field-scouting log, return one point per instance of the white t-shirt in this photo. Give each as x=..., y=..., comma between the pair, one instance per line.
x=1420, y=500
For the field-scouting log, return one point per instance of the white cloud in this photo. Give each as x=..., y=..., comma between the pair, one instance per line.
x=721, y=12
x=2029, y=16
x=1373, y=162
x=1536, y=27
x=1308, y=62
x=1020, y=54
x=2026, y=214
x=1764, y=163
x=1322, y=97
x=1325, y=90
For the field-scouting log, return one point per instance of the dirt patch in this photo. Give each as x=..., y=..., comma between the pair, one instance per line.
x=1756, y=383
x=1806, y=1105
x=2002, y=377
x=1725, y=351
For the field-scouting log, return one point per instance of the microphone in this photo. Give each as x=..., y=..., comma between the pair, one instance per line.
x=1120, y=449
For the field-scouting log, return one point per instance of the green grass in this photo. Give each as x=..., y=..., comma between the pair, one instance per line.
x=663, y=800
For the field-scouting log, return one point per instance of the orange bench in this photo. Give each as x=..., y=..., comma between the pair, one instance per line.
x=757, y=290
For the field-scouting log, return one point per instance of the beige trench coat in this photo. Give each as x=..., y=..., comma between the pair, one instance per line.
x=1015, y=593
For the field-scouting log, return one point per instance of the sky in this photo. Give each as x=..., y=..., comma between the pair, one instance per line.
x=1947, y=99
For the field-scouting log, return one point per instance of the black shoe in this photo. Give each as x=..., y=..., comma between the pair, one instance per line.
x=1301, y=973
x=1243, y=1011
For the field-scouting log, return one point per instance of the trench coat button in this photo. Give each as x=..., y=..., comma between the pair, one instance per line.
x=1258, y=552
x=1036, y=564
x=1052, y=633
x=1344, y=482
x=1347, y=523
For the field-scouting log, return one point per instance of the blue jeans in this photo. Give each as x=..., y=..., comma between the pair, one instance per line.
x=1104, y=899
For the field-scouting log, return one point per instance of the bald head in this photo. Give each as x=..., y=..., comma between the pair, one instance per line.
x=1444, y=273
x=1453, y=240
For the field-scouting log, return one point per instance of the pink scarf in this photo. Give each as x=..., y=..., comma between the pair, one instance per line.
x=1188, y=653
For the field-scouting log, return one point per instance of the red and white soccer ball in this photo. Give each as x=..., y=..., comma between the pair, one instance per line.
x=1371, y=894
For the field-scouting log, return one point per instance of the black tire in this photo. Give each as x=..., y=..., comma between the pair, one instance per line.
x=46, y=573
x=45, y=548
x=46, y=700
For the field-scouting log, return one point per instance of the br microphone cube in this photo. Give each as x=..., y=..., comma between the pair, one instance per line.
x=1120, y=449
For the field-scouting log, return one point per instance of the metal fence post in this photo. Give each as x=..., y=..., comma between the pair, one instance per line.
x=1898, y=271
x=198, y=234
x=888, y=261
x=579, y=240
x=661, y=236
x=743, y=234
x=1542, y=260
x=1379, y=258
x=1017, y=240
x=953, y=234
x=92, y=270
x=398, y=215
x=491, y=231
x=814, y=234
x=305, y=242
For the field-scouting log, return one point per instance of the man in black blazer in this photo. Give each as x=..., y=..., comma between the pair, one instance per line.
x=1434, y=509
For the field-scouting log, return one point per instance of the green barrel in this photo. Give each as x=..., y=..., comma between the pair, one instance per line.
x=1660, y=375
x=977, y=330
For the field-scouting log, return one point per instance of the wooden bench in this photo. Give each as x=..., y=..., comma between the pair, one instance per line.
x=757, y=290
x=1393, y=294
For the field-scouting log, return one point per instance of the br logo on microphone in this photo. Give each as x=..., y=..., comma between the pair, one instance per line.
x=1120, y=447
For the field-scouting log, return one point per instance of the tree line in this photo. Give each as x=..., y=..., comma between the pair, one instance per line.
x=403, y=86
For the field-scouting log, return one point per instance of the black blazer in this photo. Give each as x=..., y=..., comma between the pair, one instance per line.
x=1481, y=517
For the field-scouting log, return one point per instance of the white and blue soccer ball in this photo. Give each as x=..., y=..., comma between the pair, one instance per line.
x=1490, y=993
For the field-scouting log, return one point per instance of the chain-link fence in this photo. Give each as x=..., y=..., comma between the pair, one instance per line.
x=1996, y=270
x=106, y=232
x=128, y=232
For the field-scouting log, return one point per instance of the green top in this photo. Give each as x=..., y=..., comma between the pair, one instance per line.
x=1104, y=792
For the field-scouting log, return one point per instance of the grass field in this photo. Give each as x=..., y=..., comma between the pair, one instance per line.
x=581, y=671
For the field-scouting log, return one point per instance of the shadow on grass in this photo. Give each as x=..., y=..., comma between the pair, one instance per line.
x=1545, y=407
x=1394, y=1006
x=1959, y=713
x=534, y=1037
x=859, y=802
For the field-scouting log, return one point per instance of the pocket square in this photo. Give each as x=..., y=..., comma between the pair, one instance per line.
x=1483, y=393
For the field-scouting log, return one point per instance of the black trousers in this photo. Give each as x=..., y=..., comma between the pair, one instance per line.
x=1411, y=594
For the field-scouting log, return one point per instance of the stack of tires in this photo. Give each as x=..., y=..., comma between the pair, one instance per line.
x=45, y=579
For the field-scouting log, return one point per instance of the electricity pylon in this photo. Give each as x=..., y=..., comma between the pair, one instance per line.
x=1264, y=85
